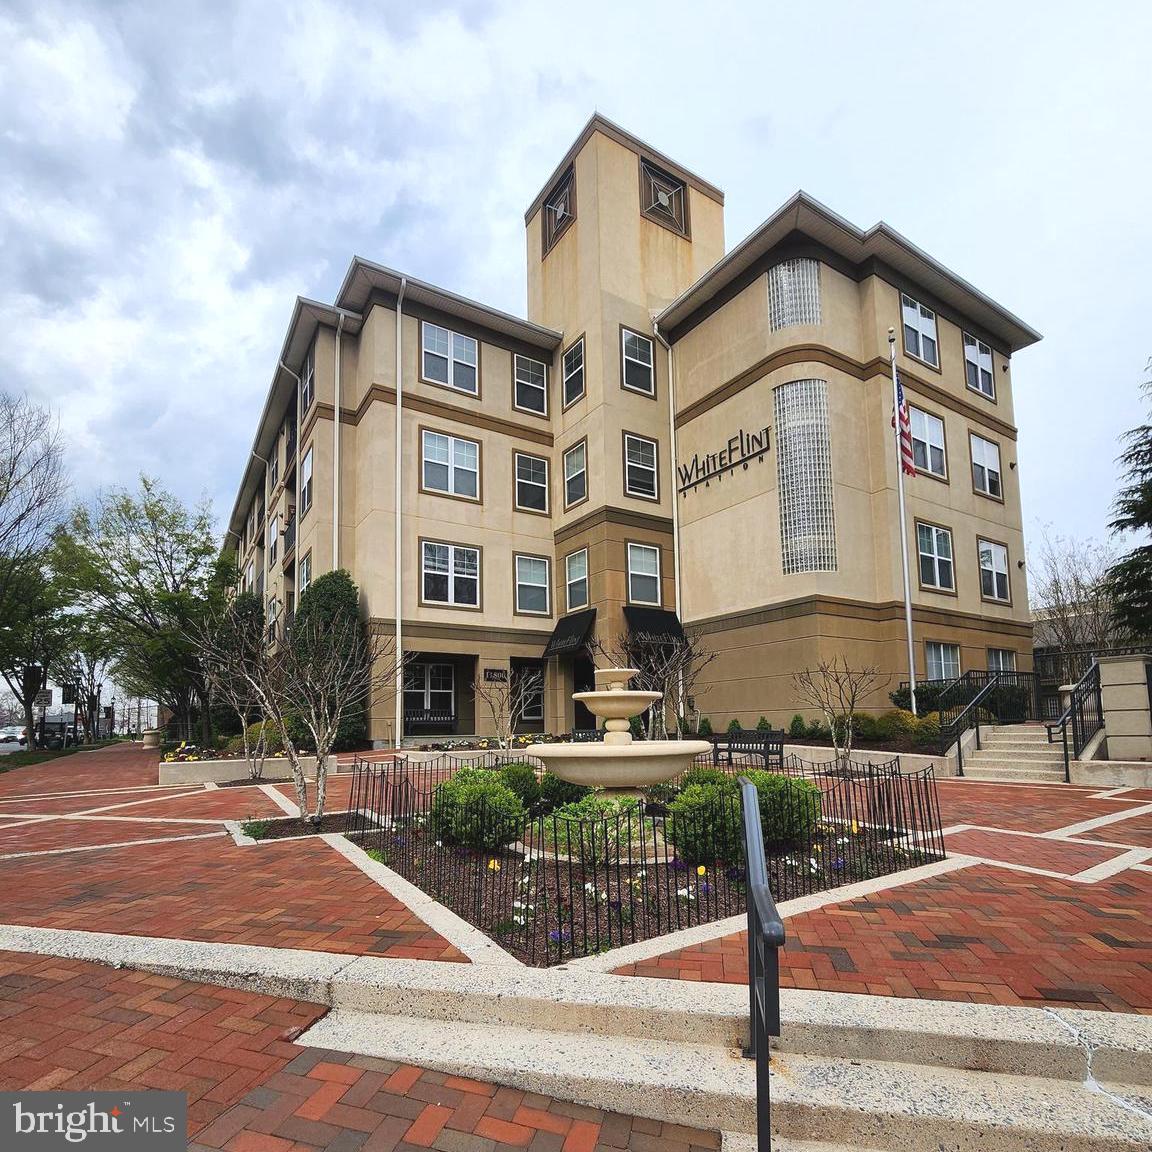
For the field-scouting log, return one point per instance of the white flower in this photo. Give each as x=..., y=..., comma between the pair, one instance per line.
x=685, y=894
x=439, y=843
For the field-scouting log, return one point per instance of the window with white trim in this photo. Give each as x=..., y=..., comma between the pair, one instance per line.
x=986, y=466
x=937, y=567
x=273, y=535
x=308, y=381
x=943, y=660
x=450, y=358
x=530, y=385
x=643, y=574
x=450, y=465
x=928, y=450
x=306, y=482
x=274, y=466
x=1001, y=660
x=575, y=474
x=993, y=571
x=305, y=577
x=532, y=583
x=572, y=369
x=576, y=579
x=640, y=467
x=919, y=331
x=978, y=367
x=249, y=576
x=638, y=373
x=429, y=688
x=531, y=482
x=794, y=293
x=450, y=574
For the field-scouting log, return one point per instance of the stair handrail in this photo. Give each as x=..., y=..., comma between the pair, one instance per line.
x=1085, y=713
x=969, y=717
x=765, y=939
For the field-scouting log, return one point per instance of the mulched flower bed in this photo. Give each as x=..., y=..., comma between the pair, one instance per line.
x=292, y=826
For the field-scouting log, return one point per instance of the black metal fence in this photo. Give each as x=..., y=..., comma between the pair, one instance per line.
x=552, y=883
x=1081, y=720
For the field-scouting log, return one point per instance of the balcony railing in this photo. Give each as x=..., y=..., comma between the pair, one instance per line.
x=289, y=538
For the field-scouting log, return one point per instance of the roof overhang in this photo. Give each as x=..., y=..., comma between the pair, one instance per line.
x=880, y=242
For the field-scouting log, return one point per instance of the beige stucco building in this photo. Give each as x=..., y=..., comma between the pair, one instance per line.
x=672, y=430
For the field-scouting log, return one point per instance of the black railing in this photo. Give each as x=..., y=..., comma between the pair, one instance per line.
x=1058, y=666
x=969, y=717
x=765, y=939
x=289, y=538
x=1014, y=701
x=1084, y=716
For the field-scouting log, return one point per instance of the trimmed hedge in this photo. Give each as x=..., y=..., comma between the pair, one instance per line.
x=555, y=793
x=477, y=810
x=520, y=777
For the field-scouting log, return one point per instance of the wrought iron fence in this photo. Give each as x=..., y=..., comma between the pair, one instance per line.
x=552, y=883
x=1081, y=720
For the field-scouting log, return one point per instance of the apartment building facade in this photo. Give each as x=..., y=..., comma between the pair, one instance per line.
x=674, y=437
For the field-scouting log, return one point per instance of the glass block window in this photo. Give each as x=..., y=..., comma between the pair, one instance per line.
x=993, y=571
x=943, y=660
x=531, y=385
x=978, y=367
x=532, y=581
x=794, y=293
x=576, y=579
x=804, y=477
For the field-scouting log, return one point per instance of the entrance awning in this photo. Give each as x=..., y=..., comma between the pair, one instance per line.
x=571, y=633
x=653, y=625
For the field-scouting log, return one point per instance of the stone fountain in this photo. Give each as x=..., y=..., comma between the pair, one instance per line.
x=618, y=764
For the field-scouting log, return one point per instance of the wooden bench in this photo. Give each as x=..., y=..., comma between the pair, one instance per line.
x=768, y=744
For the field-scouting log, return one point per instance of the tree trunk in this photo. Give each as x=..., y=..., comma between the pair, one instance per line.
x=321, y=785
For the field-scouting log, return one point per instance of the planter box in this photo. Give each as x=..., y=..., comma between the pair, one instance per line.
x=276, y=768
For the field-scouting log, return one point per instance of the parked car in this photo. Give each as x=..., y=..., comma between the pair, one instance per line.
x=13, y=734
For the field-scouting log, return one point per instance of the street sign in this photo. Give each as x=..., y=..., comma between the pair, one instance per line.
x=43, y=698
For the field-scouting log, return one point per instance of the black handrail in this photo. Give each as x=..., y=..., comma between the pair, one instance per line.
x=765, y=939
x=968, y=718
x=1085, y=712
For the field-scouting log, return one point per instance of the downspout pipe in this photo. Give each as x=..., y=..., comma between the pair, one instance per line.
x=398, y=517
x=336, y=444
x=675, y=501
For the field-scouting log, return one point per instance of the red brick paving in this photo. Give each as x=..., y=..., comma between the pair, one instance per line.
x=74, y=1025
x=1019, y=807
x=1137, y=831
x=1033, y=851
x=49, y=835
x=117, y=766
x=296, y=894
x=981, y=934
x=85, y=801
x=211, y=804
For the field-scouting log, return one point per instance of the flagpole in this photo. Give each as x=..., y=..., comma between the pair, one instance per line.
x=903, y=520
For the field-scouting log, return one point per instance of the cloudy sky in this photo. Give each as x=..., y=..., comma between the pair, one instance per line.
x=173, y=175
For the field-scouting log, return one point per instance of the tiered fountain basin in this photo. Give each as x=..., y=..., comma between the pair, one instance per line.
x=619, y=764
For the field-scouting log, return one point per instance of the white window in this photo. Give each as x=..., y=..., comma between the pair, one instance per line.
x=430, y=690
x=307, y=382
x=936, y=565
x=920, y=331
x=274, y=466
x=978, y=366
x=928, y=442
x=250, y=576
x=306, y=482
x=532, y=580
x=640, y=467
x=943, y=661
x=531, y=482
x=450, y=574
x=575, y=474
x=638, y=374
x=804, y=477
x=305, y=572
x=451, y=465
x=573, y=370
x=451, y=359
x=530, y=385
x=986, y=466
x=576, y=579
x=1001, y=660
x=273, y=536
x=993, y=570
x=794, y=293
x=643, y=574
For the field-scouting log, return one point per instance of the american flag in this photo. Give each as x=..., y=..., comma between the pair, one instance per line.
x=907, y=460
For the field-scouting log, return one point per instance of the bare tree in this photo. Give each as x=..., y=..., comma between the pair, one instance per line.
x=508, y=700
x=33, y=486
x=1071, y=598
x=836, y=691
x=663, y=663
x=86, y=665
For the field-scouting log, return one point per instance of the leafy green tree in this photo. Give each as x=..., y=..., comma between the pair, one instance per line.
x=1130, y=578
x=86, y=664
x=148, y=568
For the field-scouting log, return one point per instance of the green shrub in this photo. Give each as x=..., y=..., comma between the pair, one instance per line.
x=520, y=777
x=927, y=733
x=274, y=739
x=636, y=727
x=927, y=696
x=702, y=774
x=662, y=793
x=590, y=829
x=705, y=728
x=762, y=725
x=555, y=793
x=705, y=824
x=818, y=730
x=798, y=729
x=734, y=725
x=898, y=723
x=256, y=829
x=477, y=810
x=789, y=808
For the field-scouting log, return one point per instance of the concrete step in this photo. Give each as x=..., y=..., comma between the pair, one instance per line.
x=1013, y=752
x=862, y=1103
x=1009, y=771
x=1015, y=738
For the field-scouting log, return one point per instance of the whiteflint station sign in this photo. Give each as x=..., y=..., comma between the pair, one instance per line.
x=740, y=451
